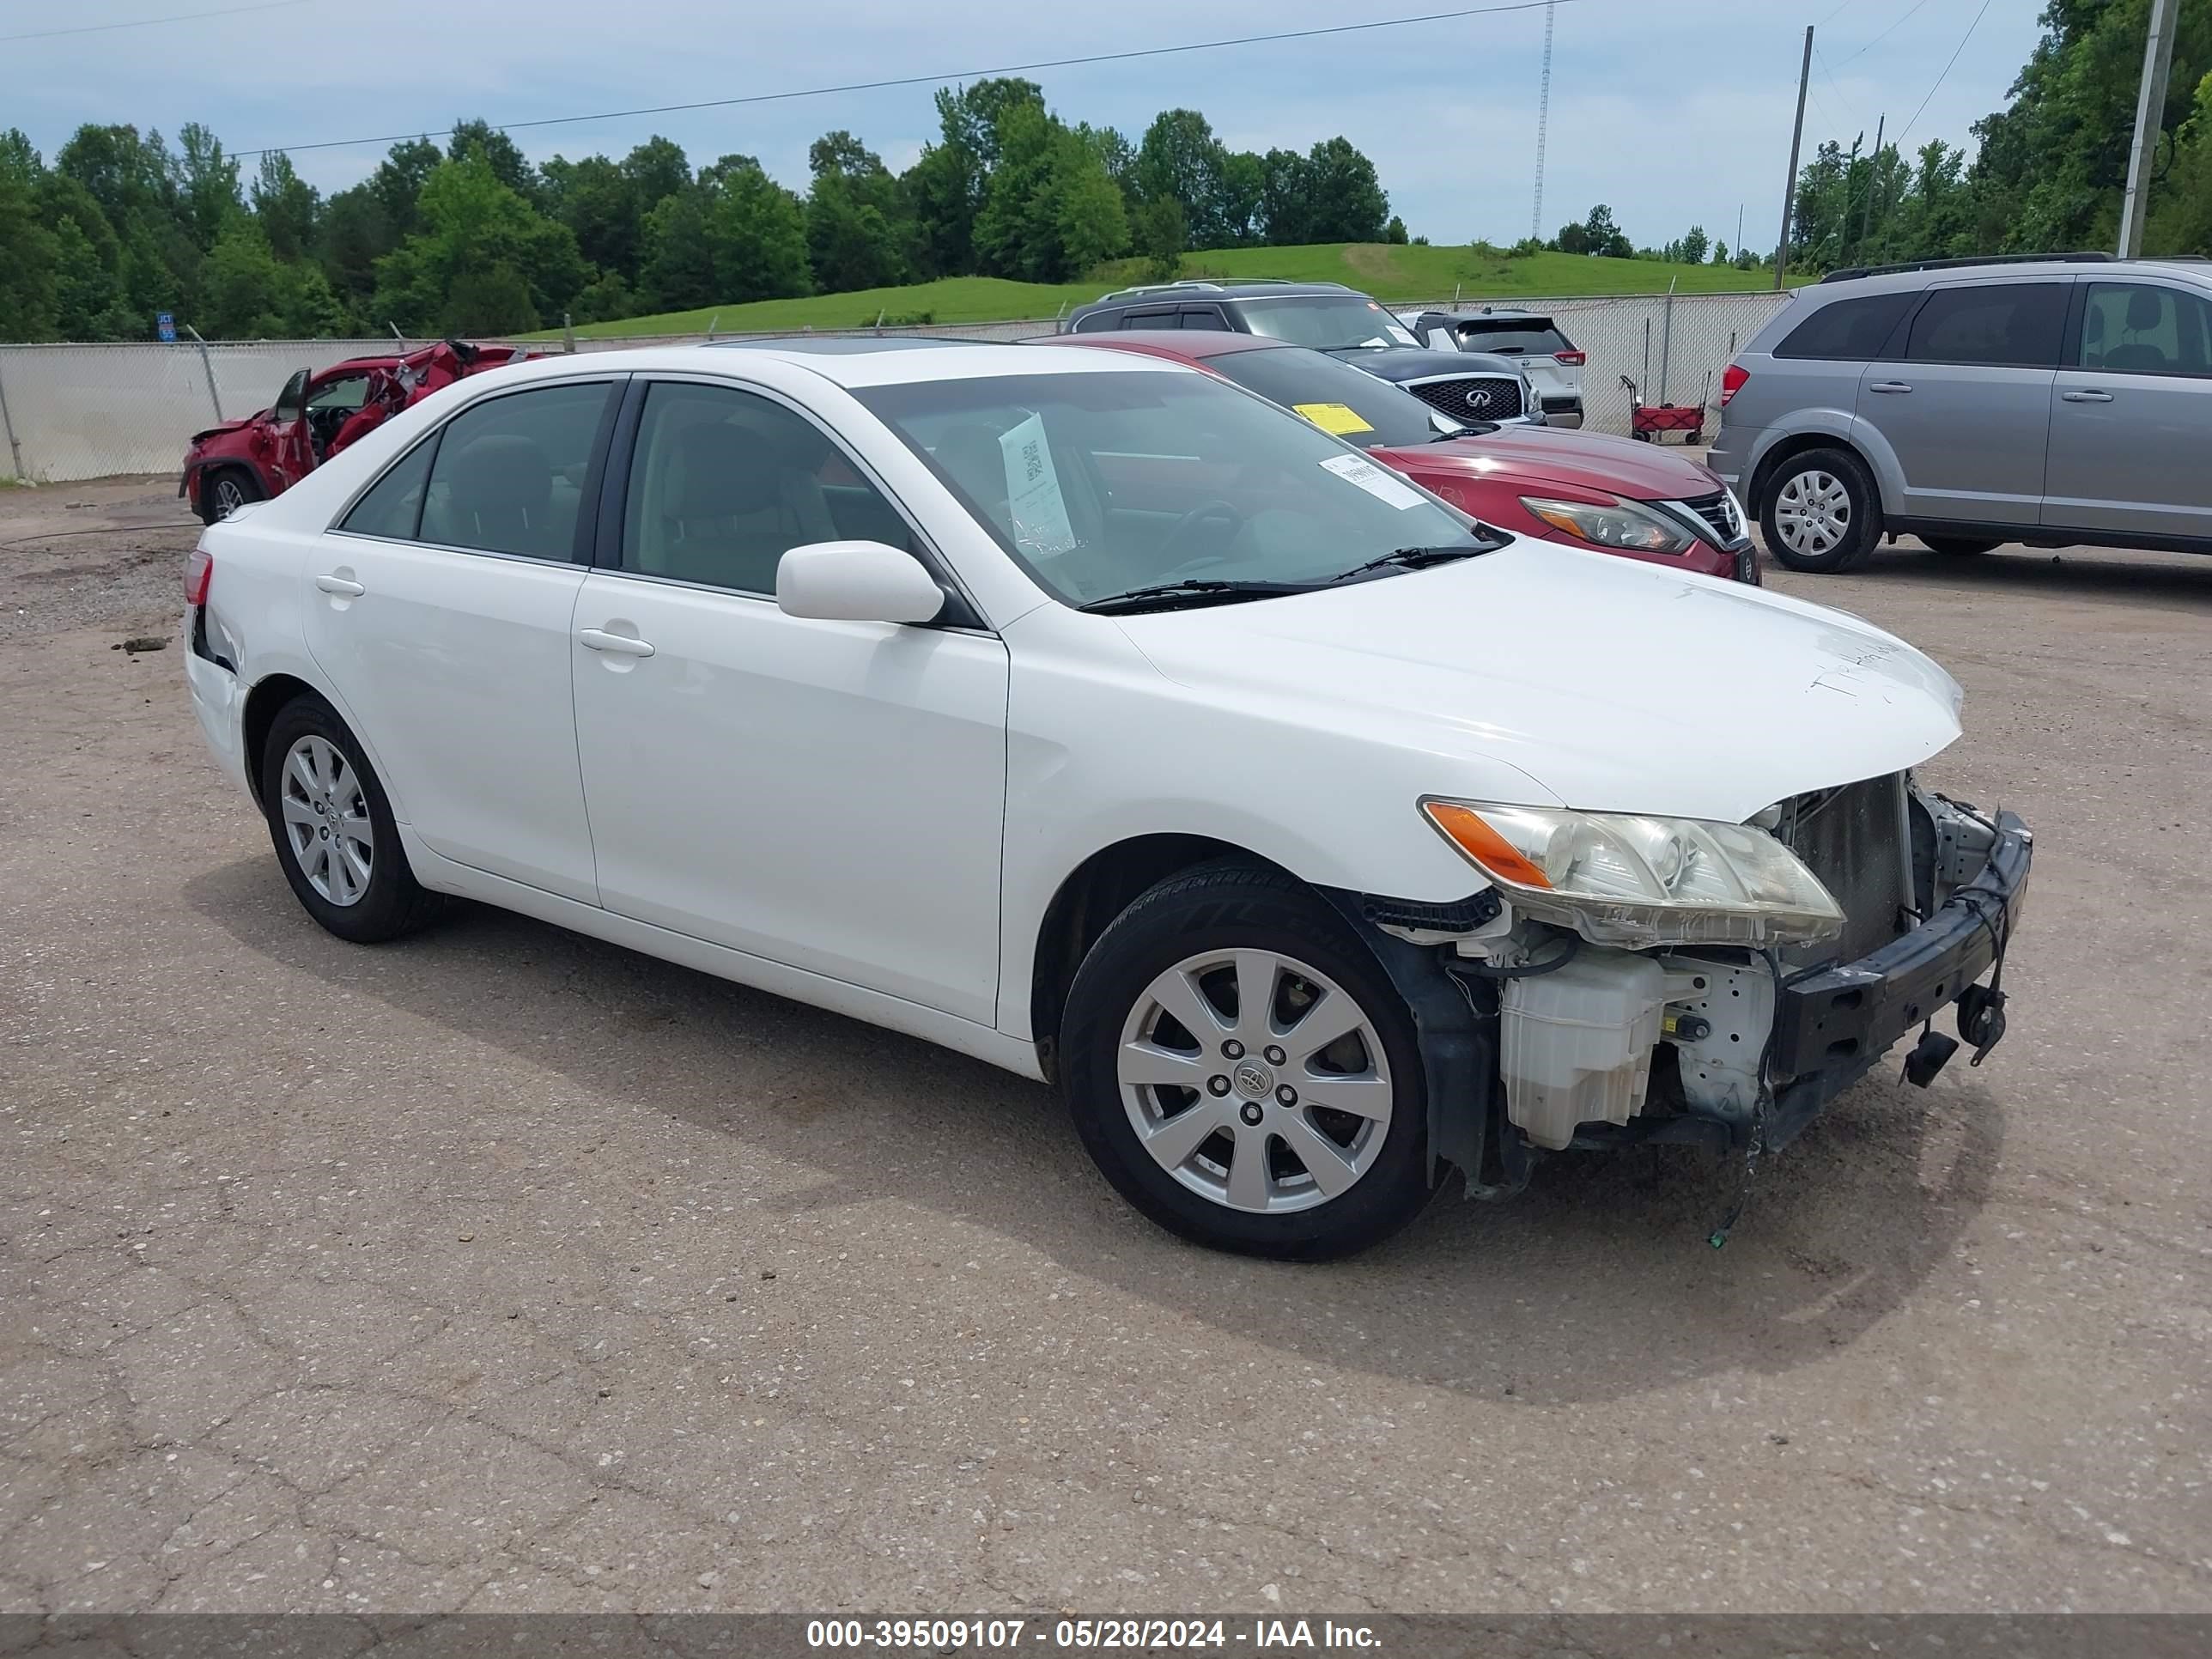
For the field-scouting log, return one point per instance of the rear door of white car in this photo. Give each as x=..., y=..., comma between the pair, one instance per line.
x=828, y=795
x=440, y=607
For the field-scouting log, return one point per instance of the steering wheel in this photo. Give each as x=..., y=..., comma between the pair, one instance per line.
x=1215, y=512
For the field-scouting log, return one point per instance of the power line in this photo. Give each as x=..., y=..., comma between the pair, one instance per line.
x=932, y=80
x=149, y=22
x=1886, y=33
x=1962, y=38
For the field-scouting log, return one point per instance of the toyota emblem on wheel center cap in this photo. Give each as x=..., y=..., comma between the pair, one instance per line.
x=1254, y=1080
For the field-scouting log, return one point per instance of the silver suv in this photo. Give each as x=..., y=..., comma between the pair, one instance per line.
x=1975, y=402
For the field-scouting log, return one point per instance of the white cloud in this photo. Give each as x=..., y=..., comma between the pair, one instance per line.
x=1670, y=113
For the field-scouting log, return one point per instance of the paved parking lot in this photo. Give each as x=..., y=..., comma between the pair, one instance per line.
x=503, y=1269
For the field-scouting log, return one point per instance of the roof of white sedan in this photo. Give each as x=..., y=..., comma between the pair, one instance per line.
x=847, y=360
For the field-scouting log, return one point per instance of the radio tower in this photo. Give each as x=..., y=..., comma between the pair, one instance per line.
x=1543, y=120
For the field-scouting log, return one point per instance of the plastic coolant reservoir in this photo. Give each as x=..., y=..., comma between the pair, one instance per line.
x=1575, y=1045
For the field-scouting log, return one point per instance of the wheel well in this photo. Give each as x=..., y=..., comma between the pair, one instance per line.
x=262, y=704
x=1796, y=445
x=1100, y=888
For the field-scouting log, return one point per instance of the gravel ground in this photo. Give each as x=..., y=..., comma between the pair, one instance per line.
x=503, y=1269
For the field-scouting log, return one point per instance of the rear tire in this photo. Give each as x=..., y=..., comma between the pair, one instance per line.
x=1244, y=1127
x=1821, y=513
x=1957, y=546
x=224, y=490
x=333, y=829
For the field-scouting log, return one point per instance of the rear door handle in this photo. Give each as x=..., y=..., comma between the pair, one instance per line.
x=341, y=586
x=1889, y=385
x=2085, y=397
x=622, y=645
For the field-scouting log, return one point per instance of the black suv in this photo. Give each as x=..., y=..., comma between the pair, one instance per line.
x=1328, y=317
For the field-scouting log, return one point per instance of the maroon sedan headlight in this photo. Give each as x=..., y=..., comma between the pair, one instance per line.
x=1621, y=526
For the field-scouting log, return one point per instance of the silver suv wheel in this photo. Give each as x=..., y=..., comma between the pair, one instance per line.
x=1813, y=512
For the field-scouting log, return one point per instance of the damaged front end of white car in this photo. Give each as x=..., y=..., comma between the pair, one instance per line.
x=1654, y=979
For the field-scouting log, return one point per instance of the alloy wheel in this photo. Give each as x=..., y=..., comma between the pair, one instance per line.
x=1813, y=513
x=1254, y=1080
x=326, y=820
x=229, y=495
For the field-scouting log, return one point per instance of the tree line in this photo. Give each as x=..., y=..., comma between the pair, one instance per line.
x=471, y=238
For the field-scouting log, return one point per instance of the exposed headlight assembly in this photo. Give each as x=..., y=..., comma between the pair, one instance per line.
x=1623, y=525
x=1624, y=879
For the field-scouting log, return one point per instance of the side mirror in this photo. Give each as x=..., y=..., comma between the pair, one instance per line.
x=856, y=581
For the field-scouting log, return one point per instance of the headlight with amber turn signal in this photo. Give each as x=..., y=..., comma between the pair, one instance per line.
x=1627, y=879
x=1623, y=525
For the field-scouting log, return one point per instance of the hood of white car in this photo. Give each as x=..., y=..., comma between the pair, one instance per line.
x=1616, y=685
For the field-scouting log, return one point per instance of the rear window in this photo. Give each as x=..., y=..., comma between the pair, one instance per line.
x=1519, y=339
x=1848, y=331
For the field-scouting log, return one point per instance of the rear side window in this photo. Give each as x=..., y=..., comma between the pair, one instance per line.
x=393, y=505
x=509, y=476
x=1849, y=331
x=2002, y=325
x=1515, y=339
x=2143, y=328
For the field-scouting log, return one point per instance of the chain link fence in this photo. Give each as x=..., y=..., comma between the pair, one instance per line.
x=68, y=412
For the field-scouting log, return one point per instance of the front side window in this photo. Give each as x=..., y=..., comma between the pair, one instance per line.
x=346, y=392
x=1330, y=322
x=509, y=472
x=723, y=482
x=1848, y=331
x=2142, y=328
x=1100, y=483
x=1336, y=397
x=1998, y=325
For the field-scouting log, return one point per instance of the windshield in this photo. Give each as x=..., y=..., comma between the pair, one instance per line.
x=1336, y=397
x=1327, y=320
x=1099, y=483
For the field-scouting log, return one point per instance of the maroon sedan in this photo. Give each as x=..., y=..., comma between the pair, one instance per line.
x=1606, y=494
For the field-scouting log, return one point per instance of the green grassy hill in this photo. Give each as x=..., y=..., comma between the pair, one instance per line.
x=1390, y=271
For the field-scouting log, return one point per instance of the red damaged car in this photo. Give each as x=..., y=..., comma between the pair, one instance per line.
x=1607, y=495
x=315, y=415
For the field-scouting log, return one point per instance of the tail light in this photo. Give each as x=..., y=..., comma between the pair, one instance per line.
x=197, y=574
x=1732, y=379
x=1572, y=359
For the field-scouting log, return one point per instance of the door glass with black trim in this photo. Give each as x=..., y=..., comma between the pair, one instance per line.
x=723, y=482
x=2145, y=328
x=509, y=472
x=1991, y=325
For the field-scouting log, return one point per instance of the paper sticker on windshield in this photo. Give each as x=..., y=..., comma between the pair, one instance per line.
x=1402, y=337
x=1374, y=480
x=1033, y=499
x=1340, y=418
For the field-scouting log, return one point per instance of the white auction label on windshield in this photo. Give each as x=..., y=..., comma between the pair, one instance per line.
x=1033, y=498
x=1382, y=485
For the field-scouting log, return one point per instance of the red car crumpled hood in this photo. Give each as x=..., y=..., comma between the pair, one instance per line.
x=222, y=426
x=1552, y=458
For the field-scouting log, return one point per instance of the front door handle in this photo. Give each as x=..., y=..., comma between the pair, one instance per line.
x=1889, y=385
x=2085, y=397
x=340, y=586
x=622, y=645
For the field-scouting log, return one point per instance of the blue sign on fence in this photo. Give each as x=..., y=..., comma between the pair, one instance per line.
x=166, y=326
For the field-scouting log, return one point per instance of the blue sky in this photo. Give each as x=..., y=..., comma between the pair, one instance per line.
x=1670, y=111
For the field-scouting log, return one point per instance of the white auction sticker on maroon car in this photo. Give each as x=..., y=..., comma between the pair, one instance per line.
x=1382, y=486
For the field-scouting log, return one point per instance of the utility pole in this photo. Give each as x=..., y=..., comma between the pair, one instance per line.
x=1874, y=182
x=1797, y=137
x=2150, y=115
x=1543, y=120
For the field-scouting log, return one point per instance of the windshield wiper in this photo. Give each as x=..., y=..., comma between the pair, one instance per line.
x=1169, y=596
x=1417, y=558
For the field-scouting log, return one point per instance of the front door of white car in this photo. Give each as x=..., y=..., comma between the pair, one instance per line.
x=440, y=608
x=828, y=795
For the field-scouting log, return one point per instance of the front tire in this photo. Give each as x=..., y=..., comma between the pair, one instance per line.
x=333, y=827
x=223, y=491
x=1821, y=513
x=1241, y=1070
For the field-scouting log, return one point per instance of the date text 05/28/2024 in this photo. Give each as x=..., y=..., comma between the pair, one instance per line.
x=1128, y=1635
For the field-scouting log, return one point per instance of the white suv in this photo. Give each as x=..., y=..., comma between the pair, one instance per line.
x=1095, y=717
x=1529, y=339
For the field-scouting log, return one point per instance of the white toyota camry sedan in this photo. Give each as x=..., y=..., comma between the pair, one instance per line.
x=1089, y=714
